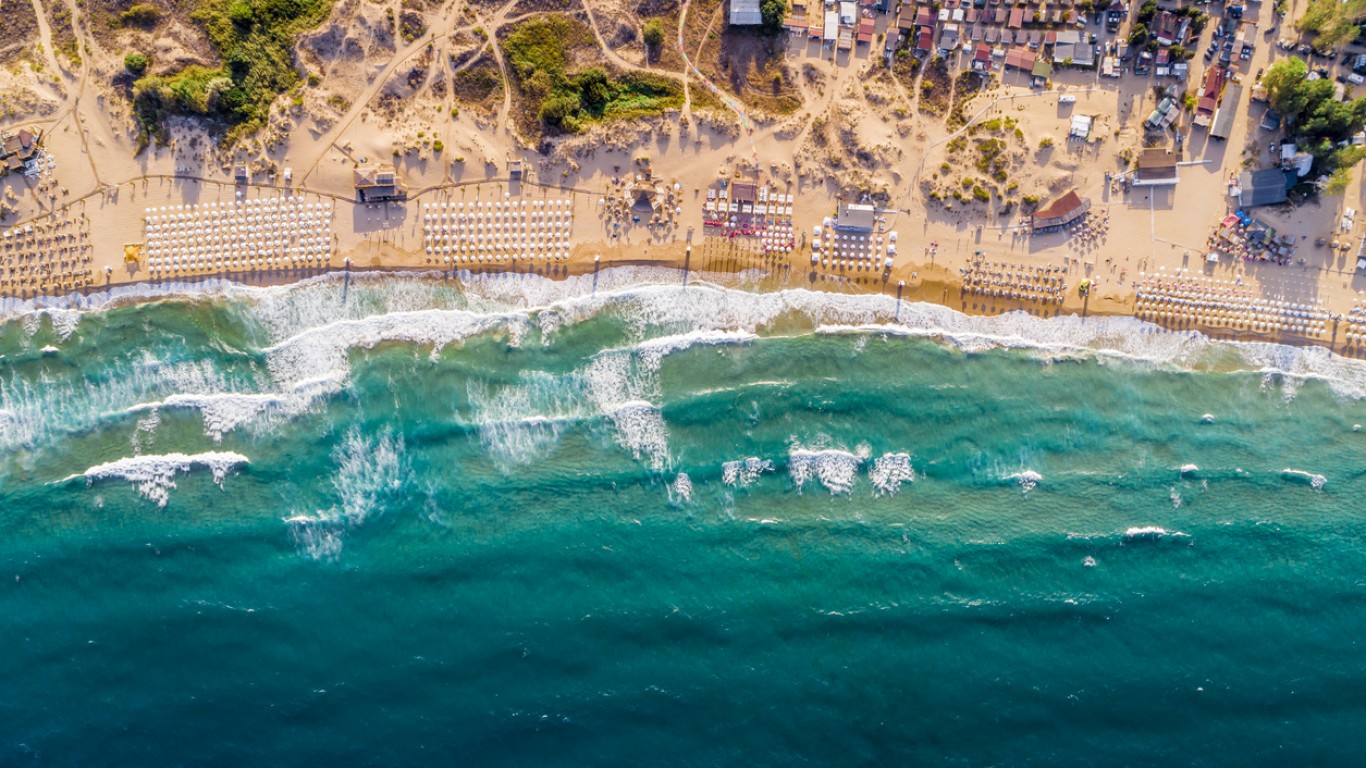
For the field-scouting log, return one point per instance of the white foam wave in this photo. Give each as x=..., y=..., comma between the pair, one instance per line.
x=1189, y=469
x=744, y=471
x=369, y=472
x=322, y=351
x=889, y=471
x=1315, y=481
x=835, y=469
x=1028, y=479
x=154, y=476
x=640, y=429
x=619, y=391
x=682, y=487
x=1141, y=532
x=40, y=409
x=225, y=411
x=522, y=423
x=653, y=351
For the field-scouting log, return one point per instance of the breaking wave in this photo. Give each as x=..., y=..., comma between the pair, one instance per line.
x=836, y=470
x=744, y=471
x=1314, y=481
x=154, y=476
x=889, y=471
x=370, y=472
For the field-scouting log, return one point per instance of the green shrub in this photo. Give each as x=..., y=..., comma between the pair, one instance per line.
x=258, y=64
x=538, y=51
x=654, y=33
x=135, y=63
x=437, y=145
x=241, y=13
x=141, y=15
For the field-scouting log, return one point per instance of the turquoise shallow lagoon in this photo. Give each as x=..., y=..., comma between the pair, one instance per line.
x=405, y=520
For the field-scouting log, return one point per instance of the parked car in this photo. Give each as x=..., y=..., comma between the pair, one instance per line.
x=1305, y=50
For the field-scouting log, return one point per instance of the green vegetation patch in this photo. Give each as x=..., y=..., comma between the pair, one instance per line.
x=255, y=39
x=1337, y=22
x=1319, y=123
x=540, y=51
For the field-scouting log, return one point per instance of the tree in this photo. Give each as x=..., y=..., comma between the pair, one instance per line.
x=594, y=90
x=1335, y=20
x=1138, y=36
x=1285, y=81
x=1338, y=180
x=135, y=63
x=1146, y=12
x=557, y=109
x=654, y=33
x=1334, y=120
x=773, y=12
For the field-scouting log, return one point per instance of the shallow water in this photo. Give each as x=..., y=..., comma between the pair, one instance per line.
x=521, y=522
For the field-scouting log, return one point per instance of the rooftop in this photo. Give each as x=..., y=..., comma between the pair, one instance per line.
x=745, y=13
x=1265, y=187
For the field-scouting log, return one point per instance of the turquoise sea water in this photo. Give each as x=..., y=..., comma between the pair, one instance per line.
x=402, y=521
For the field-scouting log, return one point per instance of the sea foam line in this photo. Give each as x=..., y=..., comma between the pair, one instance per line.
x=709, y=307
x=154, y=476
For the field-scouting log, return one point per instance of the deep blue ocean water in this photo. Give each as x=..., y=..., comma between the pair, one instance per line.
x=401, y=520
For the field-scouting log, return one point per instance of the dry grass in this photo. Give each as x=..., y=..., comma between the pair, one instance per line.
x=18, y=32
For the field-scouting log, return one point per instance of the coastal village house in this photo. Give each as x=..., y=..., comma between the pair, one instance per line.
x=745, y=13
x=1265, y=187
x=856, y=217
x=1060, y=212
x=378, y=183
x=17, y=149
x=1156, y=167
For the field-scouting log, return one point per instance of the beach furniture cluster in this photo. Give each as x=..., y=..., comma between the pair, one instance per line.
x=744, y=209
x=1044, y=283
x=498, y=231
x=1240, y=235
x=272, y=233
x=720, y=206
x=52, y=254
x=1209, y=301
x=833, y=248
x=1355, y=320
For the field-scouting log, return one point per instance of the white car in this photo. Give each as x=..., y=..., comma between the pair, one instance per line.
x=1067, y=99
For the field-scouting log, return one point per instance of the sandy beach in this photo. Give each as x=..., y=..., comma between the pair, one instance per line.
x=953, y=175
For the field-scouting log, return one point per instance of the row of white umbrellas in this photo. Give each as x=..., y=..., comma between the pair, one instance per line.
x=479, y=258
x=295, y=259
x=495, y=205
